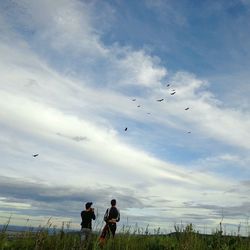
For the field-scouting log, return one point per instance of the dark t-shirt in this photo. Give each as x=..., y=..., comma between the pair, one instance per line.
x=87, y=217
x=112, y=213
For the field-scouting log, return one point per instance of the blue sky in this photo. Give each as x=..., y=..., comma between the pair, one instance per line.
x=69, y=73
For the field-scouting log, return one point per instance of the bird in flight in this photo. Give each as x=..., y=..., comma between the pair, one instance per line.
x=168, y=85
x=160, y=100
x=134, y=100
x=187, y=108
x=126, y=129
x=138, y=106
x=172, y=93
x=189, y=132
x=35, y=155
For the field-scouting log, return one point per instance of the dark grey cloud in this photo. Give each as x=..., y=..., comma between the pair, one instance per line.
x=199, y=218
x=217, y=211
x=63, y=200
x=75, y=138
x=31, y=83
x=245, y=183
x=67, y=201
x=79, y=138
x=242, y=189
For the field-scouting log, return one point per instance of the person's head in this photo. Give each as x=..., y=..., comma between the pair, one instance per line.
x=88, y=205
x=113, y=202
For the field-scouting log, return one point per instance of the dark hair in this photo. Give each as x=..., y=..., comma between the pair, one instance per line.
x=113, y=202
x=88, y=205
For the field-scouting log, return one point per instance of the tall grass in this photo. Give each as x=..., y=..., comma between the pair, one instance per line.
x=184, y=238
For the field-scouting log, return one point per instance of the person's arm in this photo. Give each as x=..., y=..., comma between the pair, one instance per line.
x=118, y=216
x=82, y=217
x=93, y=215
x=106, y=215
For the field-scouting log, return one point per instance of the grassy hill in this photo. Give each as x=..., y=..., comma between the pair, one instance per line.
x=187, y=239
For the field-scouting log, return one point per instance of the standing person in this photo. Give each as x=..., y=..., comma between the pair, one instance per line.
x=87, y=216
x=112, y=216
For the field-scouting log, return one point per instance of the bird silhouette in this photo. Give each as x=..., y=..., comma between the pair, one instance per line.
x=138, y=106
x=187, y=108
x=189, y=132
x=168, y=85
x=160, y=100
x=126, y=129
x=172, y=93
x=35, y=155
x=134, y=100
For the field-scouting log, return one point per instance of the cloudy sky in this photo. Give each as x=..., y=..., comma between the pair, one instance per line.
x=74, y=74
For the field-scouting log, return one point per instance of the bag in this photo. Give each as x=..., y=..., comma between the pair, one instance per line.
x=103, y=236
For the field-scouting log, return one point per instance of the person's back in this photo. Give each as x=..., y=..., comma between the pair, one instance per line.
x=112, y=216
x=87, y=216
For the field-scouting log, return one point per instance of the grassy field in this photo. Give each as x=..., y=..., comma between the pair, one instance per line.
x=186, y=239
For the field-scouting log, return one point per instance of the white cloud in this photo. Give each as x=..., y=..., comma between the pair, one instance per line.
x=62, y=25
x=68, y=29
x=142, y=69
x=206, y=116
x=45, y=122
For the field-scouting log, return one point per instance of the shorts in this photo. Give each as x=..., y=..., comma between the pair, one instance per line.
x=85, y=234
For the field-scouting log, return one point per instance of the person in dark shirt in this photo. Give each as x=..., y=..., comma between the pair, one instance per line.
x=112, y=216
x=87, y=216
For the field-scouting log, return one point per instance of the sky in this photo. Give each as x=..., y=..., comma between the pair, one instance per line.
x=74, y=74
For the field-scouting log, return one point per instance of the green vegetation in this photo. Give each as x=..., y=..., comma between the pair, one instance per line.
x=186, y=239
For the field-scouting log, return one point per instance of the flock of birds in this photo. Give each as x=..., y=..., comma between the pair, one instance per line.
x=158, y=100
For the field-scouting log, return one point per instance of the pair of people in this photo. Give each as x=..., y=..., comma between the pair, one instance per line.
x=111, y=217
